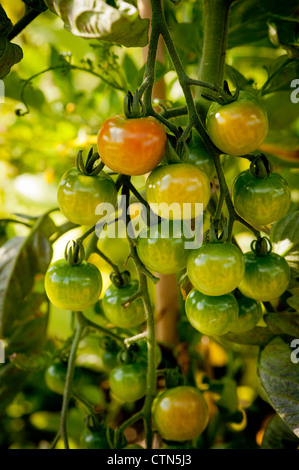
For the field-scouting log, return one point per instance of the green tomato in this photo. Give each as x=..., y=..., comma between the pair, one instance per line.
x=116, y=313
x=240, y=127
x=200, y=157
x=75, y=288
x=266, y=277
x=250, y=312
x=108, y=358
x=94, y=439
x=175, y=186
x=128, y=381
x=79, y=195
x=55, y=377
x=212, y=316
x=180, y=413
x=162, y=252
x=216, y=268
x=261, y=201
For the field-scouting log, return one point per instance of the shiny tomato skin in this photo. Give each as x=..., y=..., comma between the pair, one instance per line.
x=199, y=156
x=179, y=183
x=55, y=377
x=131, y=146
x=94, y=439
x=75, y=287
x=78, y=195
x=250, y=312
x=261, y=201
x=212, y=316
x=240, y=127
x=216, y=268
x=162, y=253
x=266, y=277
x=180, y=413
x=116, y=313
x=128, y=381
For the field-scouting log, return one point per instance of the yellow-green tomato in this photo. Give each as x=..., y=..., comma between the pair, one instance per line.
x=250, y=312
x=128, y=381
x=76, y=287
x=216, y=268
x=212, y=316
x=266, y=277
x=178, y=191
x=79, y=195
x=200, y=157
x=115, y=311
x=261, y=201
x=240, y=127
x=180, y=413
x=162, y=251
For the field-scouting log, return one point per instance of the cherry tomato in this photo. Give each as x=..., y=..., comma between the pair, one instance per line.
x=212, y=316
x=75, y=287
x=128, y=381
x=117, y=314
x=160, y=251
x=266, y=277
x=199, y=156
x=94, y=439
x=55, y=377
x=180, y=413
x=261, y=201
x=178, y=184
x=216, y=268
x=79, y=195
x=108, y=352
x=238, y=128
x=131, y=146
x=250, y=312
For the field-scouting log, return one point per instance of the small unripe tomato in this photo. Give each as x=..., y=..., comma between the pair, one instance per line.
x=216, y=268
x=119, y=315
x=180, y=413
x=266, y=277
x=79, y=195
x=76, y=287
x=261, y=201
x=240, y=127
x=250, y=312
x=199, y=156
x=212, y=316
x=96, y=439
x=131, y=146
x=128, y=381
x=179, y=186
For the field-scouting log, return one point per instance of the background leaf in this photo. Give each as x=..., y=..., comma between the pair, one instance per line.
x=279, y=436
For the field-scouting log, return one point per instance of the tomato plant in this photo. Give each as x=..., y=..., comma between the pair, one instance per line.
x=211, y=315
x=131, y=146
x=180, y=413
x=239, y=127
x=216, y=268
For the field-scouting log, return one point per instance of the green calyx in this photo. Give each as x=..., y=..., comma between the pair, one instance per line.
x=261, y=246
x=128, y=355
x=217, y=233
x=133, y=106
x=74, y=254
x=173, y=378
x=88, y=168
x=108, y=344
x=120, y=279
x=261, y=166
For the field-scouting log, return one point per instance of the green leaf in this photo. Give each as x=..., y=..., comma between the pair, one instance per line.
x=279, y=436
x=283, y=323
x=188, y=38
x=10, y=54
x=21, y=259
x=258, y=336
x=283, y=71
x=284, y=234
x=13, y=85
x=280, y=381
x=38, y=5
x=11, y=381
x=98, y=20
x=284, y=32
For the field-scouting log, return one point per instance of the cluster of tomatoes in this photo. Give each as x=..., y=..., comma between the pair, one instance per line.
x=228, y=286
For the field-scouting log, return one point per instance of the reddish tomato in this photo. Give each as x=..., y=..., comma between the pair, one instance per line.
x=131, y=146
